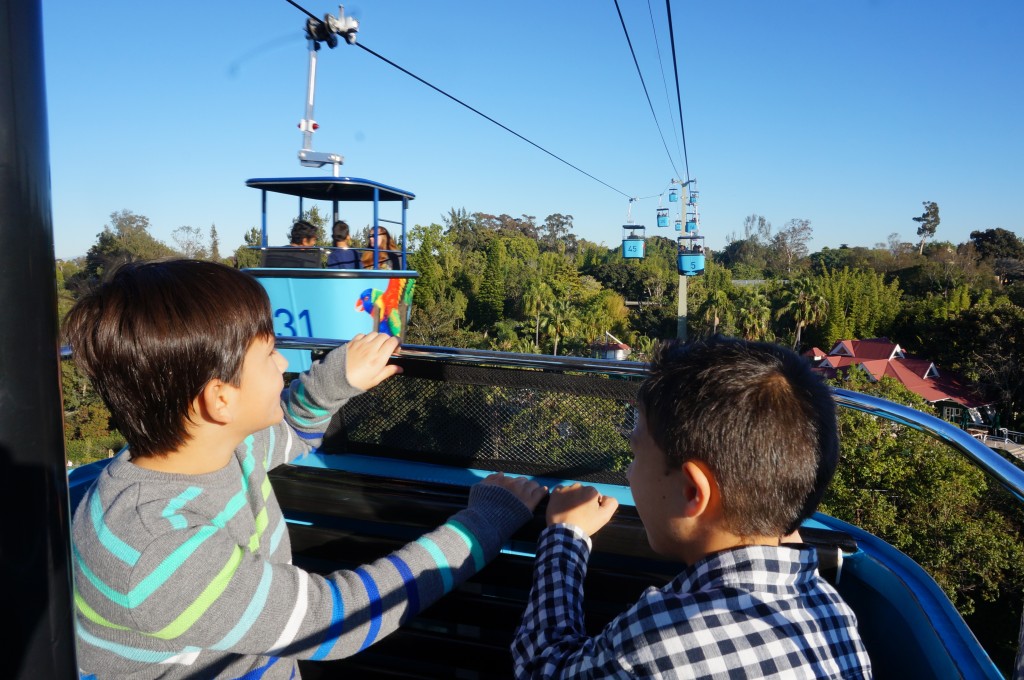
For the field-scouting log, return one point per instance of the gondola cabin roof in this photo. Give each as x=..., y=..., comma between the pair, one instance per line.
x=330, y=188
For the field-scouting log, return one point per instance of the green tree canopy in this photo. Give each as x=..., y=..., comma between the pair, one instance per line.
x=860, y=304
x=998, y=243
x=924, y=499
x=245, y=255
x=125, y=239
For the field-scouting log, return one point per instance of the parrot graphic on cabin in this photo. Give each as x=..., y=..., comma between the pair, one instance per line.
x=387, y=307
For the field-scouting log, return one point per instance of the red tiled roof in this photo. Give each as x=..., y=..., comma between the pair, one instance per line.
x=873, y=348
x=878, y=358
x=815, y=354
x=843, y=345
x=876, y=368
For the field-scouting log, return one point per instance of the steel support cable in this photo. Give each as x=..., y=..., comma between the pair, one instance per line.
x=459, y=101
x=664, y=82
x=484, y=115
x=629, y=42
x=679, y=101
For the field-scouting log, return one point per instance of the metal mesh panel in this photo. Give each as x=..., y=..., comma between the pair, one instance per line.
x=519, y=421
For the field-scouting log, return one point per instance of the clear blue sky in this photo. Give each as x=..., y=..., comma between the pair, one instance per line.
x=848, y=114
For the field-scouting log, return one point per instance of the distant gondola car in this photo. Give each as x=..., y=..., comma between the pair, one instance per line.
x=690, y=260
x=662, y=217
x=633, y=241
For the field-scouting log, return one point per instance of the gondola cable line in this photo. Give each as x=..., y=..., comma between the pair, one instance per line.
x=326, y=30
x=322, y=32
x=644, y=84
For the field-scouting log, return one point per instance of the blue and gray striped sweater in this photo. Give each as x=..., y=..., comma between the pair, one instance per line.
x=190, y=575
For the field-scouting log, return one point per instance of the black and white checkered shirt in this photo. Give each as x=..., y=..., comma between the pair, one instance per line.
x=756, y=611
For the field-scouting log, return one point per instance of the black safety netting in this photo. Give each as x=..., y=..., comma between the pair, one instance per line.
x=521, y=421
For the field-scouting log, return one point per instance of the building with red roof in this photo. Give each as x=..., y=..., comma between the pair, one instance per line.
x=881, y=357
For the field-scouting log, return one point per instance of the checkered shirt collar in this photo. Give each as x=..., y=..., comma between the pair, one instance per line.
x=753, y=568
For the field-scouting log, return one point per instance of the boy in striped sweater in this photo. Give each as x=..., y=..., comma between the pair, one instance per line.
x=181, y=554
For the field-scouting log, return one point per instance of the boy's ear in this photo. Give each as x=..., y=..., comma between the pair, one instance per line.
x=215, y=402
x=698, y=487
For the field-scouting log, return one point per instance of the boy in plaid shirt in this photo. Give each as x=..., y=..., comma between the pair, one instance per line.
x=734, y=447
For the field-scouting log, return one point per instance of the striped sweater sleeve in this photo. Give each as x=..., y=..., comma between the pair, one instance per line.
x=196, y=589
x=309, y=403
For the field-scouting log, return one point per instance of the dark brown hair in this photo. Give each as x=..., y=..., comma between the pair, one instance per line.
x=155, y=333
x=386, y=244
x=757, y=416
x=340, y=231
x=301, y=230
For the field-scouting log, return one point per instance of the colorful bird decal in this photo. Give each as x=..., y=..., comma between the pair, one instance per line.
x=387, y=307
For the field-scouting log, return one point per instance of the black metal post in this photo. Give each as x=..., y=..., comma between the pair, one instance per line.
x=35, y=531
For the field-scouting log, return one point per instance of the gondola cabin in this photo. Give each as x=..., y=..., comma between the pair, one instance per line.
x=662, y=217
x=690, y=261
x=633, y=241
x=309, y=300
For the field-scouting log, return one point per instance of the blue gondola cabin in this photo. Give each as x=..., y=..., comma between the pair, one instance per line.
x=690, y=261
x=633, y=242
x=662, y=217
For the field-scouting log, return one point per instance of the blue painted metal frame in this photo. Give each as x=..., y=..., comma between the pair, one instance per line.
x=914, y=594
x=330, y=188
x=334, y=189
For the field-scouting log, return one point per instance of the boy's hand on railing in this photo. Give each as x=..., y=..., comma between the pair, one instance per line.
x=582, y=506
x=366, y=360
x=528, y=491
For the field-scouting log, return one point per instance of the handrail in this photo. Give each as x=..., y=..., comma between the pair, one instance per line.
x=1008, y=475
x=991, y=463
x=483, y=357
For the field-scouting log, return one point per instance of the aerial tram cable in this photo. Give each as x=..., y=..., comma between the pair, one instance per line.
x=679, y=102
x=691, y=256
x=325, y=34
x=644, y=84
x=664, y=82
x=484, y=115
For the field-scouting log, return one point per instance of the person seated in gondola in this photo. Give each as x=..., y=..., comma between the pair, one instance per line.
x=302, y=235
x=182, y=560
x=387, y=251
x=734, y=446
x=343, y=257
x=301, y=251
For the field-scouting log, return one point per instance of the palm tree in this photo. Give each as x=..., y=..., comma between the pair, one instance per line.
x=536, y=295
x=643, y=348
x=754, y=315
x=558, y=320
x=523, y=346
x=805, y=304
x=710, y=312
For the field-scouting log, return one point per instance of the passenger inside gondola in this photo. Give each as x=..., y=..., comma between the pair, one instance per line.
x=343, y=256
x=302, y=235
x=387, y=251
x=734, y=446
x=301, y=252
